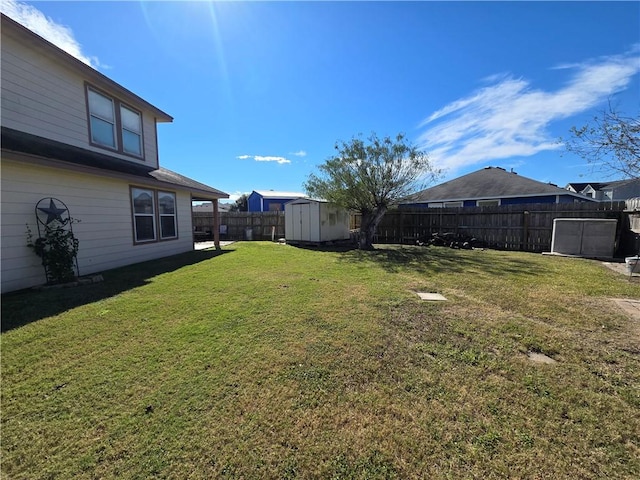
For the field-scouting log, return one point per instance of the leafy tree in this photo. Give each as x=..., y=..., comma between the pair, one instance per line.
x=241, y=204
x=370, y=176
x=610, y=142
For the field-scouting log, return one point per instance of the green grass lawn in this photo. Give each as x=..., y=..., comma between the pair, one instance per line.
x=269, y=361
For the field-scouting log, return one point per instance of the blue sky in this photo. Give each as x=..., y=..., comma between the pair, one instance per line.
x=261, y=91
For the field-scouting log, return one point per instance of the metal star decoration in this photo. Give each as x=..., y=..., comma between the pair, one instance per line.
x=53, y=212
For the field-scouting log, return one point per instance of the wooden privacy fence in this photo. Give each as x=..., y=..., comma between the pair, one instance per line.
x=511, y=227
x=240, y=225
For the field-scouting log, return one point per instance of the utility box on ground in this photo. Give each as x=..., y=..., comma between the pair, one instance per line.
x=584, y=237
x=315, y=222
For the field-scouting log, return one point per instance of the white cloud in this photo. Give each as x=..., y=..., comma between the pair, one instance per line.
x=280, y=160
x=299, y=153
x=261, y=158
x=37, y=22
x=510, y=118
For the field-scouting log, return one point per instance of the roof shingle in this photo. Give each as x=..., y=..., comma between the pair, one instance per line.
x=488, y=183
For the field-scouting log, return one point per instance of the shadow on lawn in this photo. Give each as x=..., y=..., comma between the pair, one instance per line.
x=430, y=260
x=26, y=306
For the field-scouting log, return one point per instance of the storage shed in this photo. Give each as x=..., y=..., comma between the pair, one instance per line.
x=584, y=237
x=315, y=222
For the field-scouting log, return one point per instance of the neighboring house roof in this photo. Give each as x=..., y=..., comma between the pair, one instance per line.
x=26, y=143
x=55, y=53
x=488, y=183
x=579, y=187
x=279, y=194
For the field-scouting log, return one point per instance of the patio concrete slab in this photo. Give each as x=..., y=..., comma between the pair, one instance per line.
x=205, y=245
x=621, y=267
x=630, y=306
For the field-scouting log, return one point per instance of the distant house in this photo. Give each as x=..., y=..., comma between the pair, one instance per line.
x=491, y=186
x=618, y=190
x=86, y=147
x=270, y=200
x=208, y=207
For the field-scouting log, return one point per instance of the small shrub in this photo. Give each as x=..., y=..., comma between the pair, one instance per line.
x=57, y=248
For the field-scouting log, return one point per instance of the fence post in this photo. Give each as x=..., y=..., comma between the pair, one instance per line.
x=216, y=225
x=525, y=231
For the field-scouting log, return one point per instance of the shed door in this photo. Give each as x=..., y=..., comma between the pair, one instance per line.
x=304, y=222
x=295, y=223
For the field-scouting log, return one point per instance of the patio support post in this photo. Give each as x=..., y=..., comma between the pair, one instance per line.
x=216, y=224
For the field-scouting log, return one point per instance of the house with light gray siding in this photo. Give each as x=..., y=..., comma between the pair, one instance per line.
x=614, y=191
x=71, y=133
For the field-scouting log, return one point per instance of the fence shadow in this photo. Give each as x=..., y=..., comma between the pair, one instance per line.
x=432, y=260
x=26, y=306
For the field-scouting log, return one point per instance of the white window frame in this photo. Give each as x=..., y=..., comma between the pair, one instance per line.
x=93, y=114
x=117, y=123
x=137, y=133
x=162, y=215
x=156, y=214
x=135, y=191
x=488, y=203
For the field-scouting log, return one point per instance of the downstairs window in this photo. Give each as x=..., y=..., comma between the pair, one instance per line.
x=154, y=215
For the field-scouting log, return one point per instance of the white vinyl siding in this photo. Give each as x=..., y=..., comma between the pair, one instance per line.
x=42, y=97
x=101, y=203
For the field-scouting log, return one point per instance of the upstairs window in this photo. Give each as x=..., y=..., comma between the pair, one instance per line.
x=114, y=125
x=131, y=131
x=102, y=119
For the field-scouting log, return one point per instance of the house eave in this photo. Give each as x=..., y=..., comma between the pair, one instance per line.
x=42, y=151
x=39, y=43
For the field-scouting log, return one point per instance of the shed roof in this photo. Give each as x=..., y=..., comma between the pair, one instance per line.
x=488, y=183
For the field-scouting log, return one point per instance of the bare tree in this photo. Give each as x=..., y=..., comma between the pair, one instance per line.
x=369, y=177
x=610, y=142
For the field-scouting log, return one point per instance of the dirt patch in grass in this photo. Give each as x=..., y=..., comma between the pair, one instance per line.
x=540, y=358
